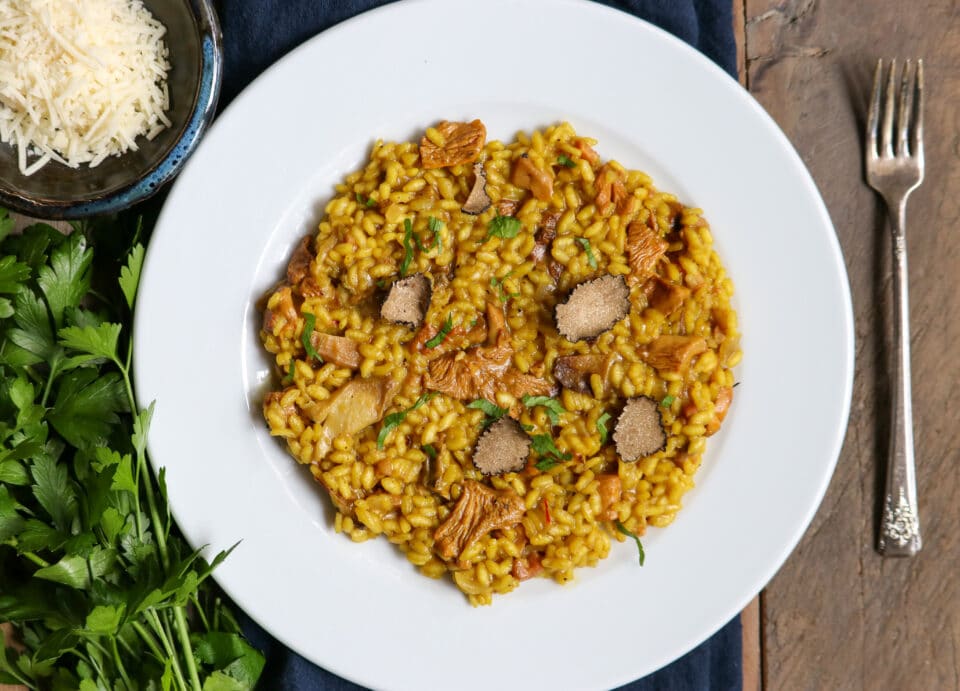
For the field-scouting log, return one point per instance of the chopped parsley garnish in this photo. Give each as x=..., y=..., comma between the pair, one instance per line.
x=503, y=227
x=364, y=201
x=442, y=333
x=498, y=283
x=602, y=427
x=592, y=260
x=435, y=224
x=553, y=406
x=566, y=161
x=492, y=412
x=430, y=451
x=550, y=455
x=290, y=372
x=623, y=529
x=309, y=322
x=668, y=401
x=407, y=246
x=391, y=421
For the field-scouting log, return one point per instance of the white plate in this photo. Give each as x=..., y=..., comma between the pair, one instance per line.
x=260, y=180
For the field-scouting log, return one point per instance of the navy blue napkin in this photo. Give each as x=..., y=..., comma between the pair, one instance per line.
x=258, y=32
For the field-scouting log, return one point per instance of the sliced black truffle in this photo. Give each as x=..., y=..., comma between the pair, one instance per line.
x=593, y=307
x=477, y=201
x=407, y=301
x=503, y=448
x=639, y=430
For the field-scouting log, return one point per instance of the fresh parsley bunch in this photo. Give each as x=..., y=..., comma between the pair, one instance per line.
x=101, y=590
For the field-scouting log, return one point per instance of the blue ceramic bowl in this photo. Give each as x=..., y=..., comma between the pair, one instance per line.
x=56, y=191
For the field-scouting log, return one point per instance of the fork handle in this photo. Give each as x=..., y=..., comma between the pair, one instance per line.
x=900, y=522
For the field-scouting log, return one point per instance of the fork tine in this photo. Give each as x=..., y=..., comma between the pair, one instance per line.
x=905, y=111
x=874, y=116
x=916, y=144
x=886, y=127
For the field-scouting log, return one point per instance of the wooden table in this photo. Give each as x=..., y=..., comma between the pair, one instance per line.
x=837, y=615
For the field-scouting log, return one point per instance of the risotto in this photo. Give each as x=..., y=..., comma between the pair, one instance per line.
x=500, y=356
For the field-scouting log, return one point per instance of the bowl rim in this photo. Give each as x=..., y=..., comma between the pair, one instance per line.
x=203, y=109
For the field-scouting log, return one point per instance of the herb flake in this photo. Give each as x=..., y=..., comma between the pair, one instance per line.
x=365, y=201
x=442, y=333
x=602, y=427
x=591, y=259
x=667, y=401
x=309, y=323
x=407, y=246
x=504, y=227
x=550, y=455
x=491, y=411
x=566, y=161
x=391, y=421
x=553, y=407
x=623, y=529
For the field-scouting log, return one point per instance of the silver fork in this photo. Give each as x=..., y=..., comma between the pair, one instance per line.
x=895, y=169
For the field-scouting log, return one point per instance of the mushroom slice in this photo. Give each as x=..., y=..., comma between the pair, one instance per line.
x=671, y=353
x=479, y=511
x=477, y=201
x=408, y=300
x=526, y=175
x=593, y=307
x=645, y=246
x=639, y=430
x=503, y=448
x=456, y=142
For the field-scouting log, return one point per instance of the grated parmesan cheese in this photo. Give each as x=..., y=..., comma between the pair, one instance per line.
x=80, y=80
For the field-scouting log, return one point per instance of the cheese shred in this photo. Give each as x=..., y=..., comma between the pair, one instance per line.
x=80, y=81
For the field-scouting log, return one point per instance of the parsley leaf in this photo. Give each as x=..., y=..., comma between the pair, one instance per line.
x=99, y=342
x=66, y=279
x=623, y=529
x=503, y=227
x=566, y=161
x=33, y=332
x=430, y=451
x=591, y=260
x=602, y=427
x=288, y=379
x=391, y=421
x=442, y=333
x=498, y=283
x=554, y=408
x=435, y=225
x=52, y=488
x=309, y=323
x=12, y=274
x=364, y=201
x=130, y=274
x=407, y=246
x=667, y=401
x=87, y=405
x=492, y=412
x=550, y=455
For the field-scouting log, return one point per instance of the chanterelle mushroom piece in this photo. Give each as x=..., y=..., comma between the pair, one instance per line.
x=407, y=301
x=477, y=201
x=503, y=448
x=593, y=307
x=672, y=353
x=639, y=430
x=644, y=248
x=452, y=143
x=479, y=511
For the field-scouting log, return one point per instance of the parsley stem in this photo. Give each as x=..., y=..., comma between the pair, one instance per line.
x=119, y=662
x=184, y=632
x=149, y=640
x=171, y=655
x=39, y=561
x=54, y=371
x=161, y=537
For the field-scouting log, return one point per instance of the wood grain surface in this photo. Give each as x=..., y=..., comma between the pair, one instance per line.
x=839, y=616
